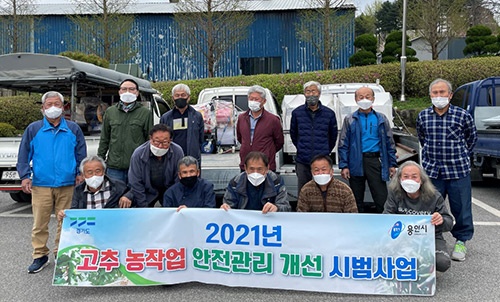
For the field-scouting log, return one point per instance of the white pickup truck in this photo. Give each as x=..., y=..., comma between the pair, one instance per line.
x=88, y=89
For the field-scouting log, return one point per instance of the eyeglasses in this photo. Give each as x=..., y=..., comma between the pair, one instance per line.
x=129, y=89
x=163, y=143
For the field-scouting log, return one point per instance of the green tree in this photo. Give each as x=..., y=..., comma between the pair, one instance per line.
x=365, y=24
x=323, y=27
x=211, y=27
x=393, y=48
x=389, y=17
x=101, y=27
x=18, y=22
x=366, y=42
x=93, y=59
x=481, y=42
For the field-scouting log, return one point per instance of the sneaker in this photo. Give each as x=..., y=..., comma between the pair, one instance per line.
x=459, y=251
x=38, y=264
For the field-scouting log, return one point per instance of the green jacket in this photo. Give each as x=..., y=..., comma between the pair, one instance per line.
x=122, y=132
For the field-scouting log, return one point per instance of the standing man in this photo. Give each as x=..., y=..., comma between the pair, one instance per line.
x=257, y=188
x=447, y=135
x=259, y=130
x=125, y=127
x=325, y=193
x=313, y=130
x=367, y=151
x=191, y=190
x=54, y=147
x=153, y=167
x=186, y=122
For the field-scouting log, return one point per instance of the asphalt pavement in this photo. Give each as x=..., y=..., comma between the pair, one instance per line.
x=476, y=279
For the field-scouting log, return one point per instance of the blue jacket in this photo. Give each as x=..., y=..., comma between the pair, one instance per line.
x=201, y=195
x=274, y=192
x=351, y=151
x=313, y=136
x=139, y=173
x=55, y=153
x=196, y=129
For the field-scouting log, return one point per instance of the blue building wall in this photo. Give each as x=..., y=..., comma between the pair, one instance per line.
x=162, y=56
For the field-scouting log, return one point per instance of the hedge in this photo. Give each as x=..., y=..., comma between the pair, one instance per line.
x=20, y=111
x=418, y=77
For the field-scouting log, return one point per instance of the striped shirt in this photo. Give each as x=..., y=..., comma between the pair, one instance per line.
x=98, y=200
x=446, y=141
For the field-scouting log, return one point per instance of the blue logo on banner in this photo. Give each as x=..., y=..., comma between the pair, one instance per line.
x=396, y=229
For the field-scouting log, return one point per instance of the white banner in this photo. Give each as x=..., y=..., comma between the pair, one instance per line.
x=326, y=252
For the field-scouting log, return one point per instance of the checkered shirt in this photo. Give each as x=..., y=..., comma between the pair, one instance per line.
x=446, y=141
x=98, y=199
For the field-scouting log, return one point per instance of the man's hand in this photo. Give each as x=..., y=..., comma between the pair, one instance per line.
x=436, y=218
x=181, y=207
x=225, y=207
x=345, y=173
x=61, y=215
x=79, y=179
x=124, y=202
x=392, y=171
x=26, y=184
x=269, y=207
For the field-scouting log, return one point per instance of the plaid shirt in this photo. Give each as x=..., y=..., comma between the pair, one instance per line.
x=98, y=199
x=446, y=141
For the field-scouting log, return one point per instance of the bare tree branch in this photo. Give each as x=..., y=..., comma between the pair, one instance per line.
x=211, y=27
x=101, y=27
x=18, y=23
x=321, y=26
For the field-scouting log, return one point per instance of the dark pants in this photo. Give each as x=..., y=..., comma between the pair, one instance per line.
x=303, y=175
x=460, y=198
x=378, y=187
x=117, y=174
x=443, y=260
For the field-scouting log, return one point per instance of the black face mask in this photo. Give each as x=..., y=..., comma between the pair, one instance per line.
x=180, y=103
x=189, y=181
x=312, y=100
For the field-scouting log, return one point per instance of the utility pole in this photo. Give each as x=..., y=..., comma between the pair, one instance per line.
x=403, y=54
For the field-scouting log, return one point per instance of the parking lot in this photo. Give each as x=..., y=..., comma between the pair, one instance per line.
x=476, y=279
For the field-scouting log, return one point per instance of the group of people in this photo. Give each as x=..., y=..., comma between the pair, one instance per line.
x=140, y=164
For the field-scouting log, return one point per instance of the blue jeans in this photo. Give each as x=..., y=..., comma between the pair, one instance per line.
x=117, y=174
x=460, y=197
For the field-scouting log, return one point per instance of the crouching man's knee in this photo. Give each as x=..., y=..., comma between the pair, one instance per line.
x=443, y=261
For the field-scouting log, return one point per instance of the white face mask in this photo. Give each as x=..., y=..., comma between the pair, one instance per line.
x=256, y=178
x=128, y=97
x=53, y=112
x=410, y=186
x=440, y=102
x=322, y=179
x=365, y=104
x=94, y=181
x=254, y=106
x=157, y=151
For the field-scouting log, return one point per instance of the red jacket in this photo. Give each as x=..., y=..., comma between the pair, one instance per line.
x=267, y=137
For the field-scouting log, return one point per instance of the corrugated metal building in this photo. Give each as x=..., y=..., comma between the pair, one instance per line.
x=272, y=45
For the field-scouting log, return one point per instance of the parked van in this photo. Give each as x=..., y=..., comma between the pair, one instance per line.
x=87, y=89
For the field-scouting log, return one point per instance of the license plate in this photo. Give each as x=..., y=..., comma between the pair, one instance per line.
x=10, y=175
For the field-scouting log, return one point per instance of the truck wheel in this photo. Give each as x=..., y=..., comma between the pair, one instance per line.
x=21, y=197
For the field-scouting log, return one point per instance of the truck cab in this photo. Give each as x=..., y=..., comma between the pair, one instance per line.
x=88, y=91
x=482, y=100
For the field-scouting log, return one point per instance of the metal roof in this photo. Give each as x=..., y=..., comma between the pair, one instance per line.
x=46, y=7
